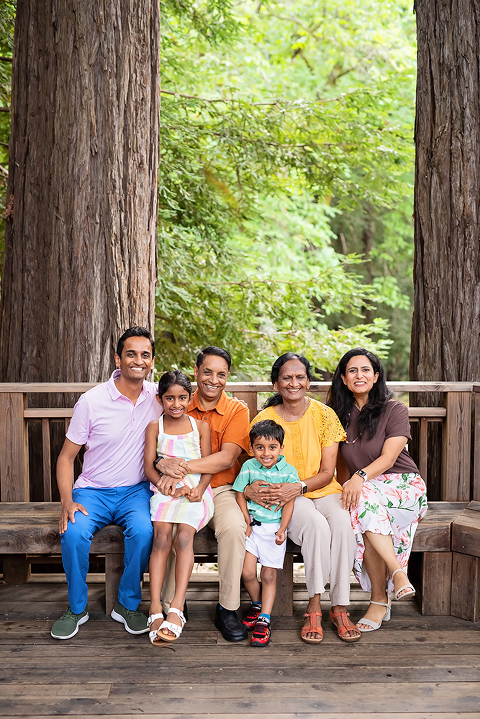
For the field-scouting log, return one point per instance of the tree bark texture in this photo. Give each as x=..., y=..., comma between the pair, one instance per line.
x=446, y=319
x=80, y=255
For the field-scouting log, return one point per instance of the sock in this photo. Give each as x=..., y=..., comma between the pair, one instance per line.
x=256, y=605
x=265, y=617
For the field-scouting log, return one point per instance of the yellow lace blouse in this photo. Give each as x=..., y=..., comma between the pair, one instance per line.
x=319, y=427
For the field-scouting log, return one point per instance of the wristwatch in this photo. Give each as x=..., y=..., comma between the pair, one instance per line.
x=361, y=474
x=156, y=461
x=304, y=487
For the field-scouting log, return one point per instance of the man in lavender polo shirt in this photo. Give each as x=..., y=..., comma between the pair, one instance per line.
x=110, y=420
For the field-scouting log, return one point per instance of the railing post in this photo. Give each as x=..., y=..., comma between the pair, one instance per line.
x=15, y=486
x=456, y=445
x=423, y=448
x=47, y=460
x=250, y=399
x=13, y=448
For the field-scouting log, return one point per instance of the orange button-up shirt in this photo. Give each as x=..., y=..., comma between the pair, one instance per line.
x=228, y=422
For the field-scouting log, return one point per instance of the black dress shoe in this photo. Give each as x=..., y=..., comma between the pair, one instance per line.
x=227, y=622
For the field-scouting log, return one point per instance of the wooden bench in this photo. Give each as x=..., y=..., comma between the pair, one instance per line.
x=466, y=563
x=32, y=528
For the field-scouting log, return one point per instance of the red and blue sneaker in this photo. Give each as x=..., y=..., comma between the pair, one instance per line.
x=252, y=616
x=261, y=633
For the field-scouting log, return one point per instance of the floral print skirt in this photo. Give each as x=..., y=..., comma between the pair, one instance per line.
x=389, y=504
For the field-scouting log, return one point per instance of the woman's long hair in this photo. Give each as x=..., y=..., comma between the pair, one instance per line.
x=341, y=399
x=277, y=366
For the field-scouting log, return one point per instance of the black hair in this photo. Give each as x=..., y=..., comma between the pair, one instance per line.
x=218, y=352
x=135, y=331
x=277, y=366
x=172, y=377
x=341, y=399
x=269, y=429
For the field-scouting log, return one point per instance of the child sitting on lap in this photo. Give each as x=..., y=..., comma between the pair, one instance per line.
x=266, y=528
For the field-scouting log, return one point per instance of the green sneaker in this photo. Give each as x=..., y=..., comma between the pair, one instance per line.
x=67, y=626
x=134, y=622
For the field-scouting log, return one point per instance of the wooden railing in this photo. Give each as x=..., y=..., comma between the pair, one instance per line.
x=458, y=416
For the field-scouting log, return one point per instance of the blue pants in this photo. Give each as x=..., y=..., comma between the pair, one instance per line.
x=129, y=507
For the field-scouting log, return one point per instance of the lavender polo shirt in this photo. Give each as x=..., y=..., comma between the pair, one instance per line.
x=113, y=430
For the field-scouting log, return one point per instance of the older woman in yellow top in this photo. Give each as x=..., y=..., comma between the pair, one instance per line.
x=319, y=523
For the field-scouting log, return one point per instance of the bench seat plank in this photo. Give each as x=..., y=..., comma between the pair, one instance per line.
x=466, y=531
x=32, y=528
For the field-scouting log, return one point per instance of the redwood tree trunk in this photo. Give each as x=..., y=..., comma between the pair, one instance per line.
x=80, y=254
x=446, y=318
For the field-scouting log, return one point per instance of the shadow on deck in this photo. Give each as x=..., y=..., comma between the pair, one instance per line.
x=413, y=666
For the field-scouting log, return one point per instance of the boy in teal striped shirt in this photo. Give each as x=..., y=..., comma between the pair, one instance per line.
x=266, y=527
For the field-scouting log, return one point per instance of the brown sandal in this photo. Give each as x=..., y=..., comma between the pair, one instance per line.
x=345, y=627
x=314, y=627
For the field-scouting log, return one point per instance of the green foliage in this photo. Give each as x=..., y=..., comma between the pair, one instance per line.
x=270, y=120
x=285, y=179
x=7, y=22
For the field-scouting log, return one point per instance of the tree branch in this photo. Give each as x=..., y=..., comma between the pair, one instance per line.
x=297, y=21
x=277, y=101
x=218, y=99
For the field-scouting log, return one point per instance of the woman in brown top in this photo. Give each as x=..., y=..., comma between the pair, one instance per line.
x=382, y=487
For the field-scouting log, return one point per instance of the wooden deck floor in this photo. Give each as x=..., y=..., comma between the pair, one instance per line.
x=414, y=666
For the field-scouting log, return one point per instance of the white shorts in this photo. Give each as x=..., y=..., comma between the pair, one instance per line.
x=261, y=543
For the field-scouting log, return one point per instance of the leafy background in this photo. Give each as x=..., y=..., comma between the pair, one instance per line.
x=285, y=179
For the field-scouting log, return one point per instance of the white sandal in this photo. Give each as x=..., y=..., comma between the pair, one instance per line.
x=153, y=634
x=375, y=625
x=409, y=586
x=172, y=627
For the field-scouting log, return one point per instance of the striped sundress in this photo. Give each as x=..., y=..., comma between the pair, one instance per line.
x=181, y=510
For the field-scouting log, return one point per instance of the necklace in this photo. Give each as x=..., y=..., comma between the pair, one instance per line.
x=306, y=404
x=346, y=428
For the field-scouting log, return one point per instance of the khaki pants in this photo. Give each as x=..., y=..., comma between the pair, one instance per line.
x=324, y=531
x=229, y=527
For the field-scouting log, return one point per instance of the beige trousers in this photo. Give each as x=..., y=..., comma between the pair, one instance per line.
x=324, y=531
x=229, y=527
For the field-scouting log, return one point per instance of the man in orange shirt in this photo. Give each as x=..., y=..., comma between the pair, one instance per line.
x=228, y=421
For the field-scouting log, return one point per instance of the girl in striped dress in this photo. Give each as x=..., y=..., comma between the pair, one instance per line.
x=190, y=506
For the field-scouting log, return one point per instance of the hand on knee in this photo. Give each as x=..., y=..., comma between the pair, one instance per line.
x=75, y=535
